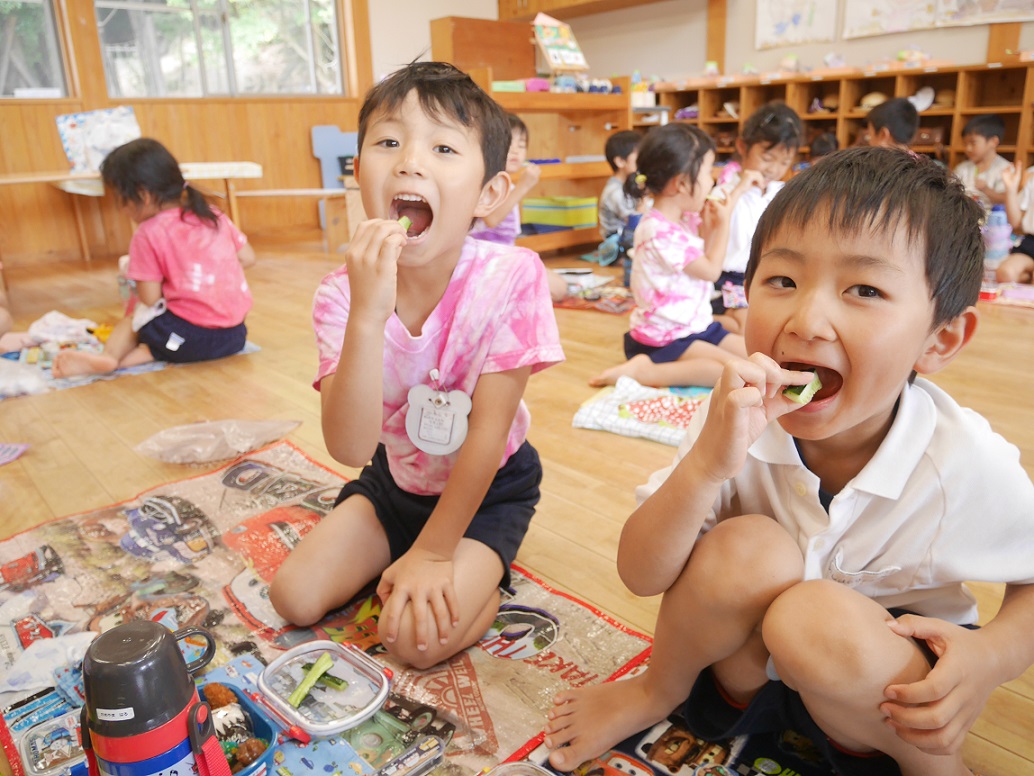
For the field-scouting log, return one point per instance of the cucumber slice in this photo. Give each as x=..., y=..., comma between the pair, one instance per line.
x=406, y=222
x=802, y=394
x=328, y=680
x=320, y=667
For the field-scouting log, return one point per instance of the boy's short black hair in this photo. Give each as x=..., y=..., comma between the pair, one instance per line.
x=620, y=145
x=987, y=125
x=883, y=189
x=773, y=124
x=444, y=90
x=899, y=116
x=823, y=144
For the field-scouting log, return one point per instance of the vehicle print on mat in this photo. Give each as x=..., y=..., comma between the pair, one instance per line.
x=271, y=484
x=613, y=764
x=168, y=528
x=394, y=727
x=264, y=541
x=677, y=747
x=34, y=568
x=520, y=632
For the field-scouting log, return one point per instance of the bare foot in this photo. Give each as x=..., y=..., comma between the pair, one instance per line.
x=73, y=363
x=630, y=368
x=591, y=720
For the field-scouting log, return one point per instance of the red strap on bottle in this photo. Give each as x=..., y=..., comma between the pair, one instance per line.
x=87, y=744
x=207, y=751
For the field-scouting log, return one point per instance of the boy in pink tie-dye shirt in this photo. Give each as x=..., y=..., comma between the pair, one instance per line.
x=426, y=339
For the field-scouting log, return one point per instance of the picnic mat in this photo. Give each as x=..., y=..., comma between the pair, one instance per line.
x=615, y=299
x=631, y=409
x=28, y=370
x=201, y=551
x=1015, y=295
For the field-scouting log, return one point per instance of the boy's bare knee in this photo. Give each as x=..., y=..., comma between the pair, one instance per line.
x=404, y=650
x=819, y=632
x=748, y=555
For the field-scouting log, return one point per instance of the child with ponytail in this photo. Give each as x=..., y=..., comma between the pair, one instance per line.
x=679, y=248
x=187, y=261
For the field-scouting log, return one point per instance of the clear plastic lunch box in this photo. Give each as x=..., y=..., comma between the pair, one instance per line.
x=348, y=694
x=52, y=747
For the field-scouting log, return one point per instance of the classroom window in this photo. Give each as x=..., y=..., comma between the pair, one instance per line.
x=196, y=48
x=30, y=51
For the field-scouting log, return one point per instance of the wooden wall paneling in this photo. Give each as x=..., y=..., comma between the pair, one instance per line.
x=506, y=47
x=1003, y=42
x=717, y=23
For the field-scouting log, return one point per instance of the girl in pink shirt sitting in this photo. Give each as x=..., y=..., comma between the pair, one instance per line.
x=187, y=260
x=673, y=338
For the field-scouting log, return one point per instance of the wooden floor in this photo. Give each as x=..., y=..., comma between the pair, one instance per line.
x=81, y=455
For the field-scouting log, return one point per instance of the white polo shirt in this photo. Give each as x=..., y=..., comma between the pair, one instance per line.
x=943, y=500
x=744, y=221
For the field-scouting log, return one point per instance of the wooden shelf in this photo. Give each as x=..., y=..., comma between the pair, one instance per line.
x=549, y=102
x=1006, y=90
x=575, y=170
x=567, y=238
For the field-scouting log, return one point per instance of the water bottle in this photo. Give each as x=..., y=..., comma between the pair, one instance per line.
x=997, y=246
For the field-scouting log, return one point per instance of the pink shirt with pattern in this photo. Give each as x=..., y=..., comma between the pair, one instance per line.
x=495, y=315
x=670, y=304
x=202, y=278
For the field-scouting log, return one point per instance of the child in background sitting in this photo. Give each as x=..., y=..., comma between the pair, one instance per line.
x=1018, y=266
x=813, y=558
x=503, y=224
x=893, y=123
x=187, y=260
x=765, y=150
x=615, y=205
x=823, y=145
x=981, y=173
x=426, y=339
x=673, y=338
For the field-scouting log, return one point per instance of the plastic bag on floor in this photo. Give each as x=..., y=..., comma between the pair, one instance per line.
x=19, y=379
x=214, y=440
x=57, y=327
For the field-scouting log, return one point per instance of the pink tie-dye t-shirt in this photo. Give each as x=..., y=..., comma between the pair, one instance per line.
x=202, y=278
x=670, y=304
x=495, y=315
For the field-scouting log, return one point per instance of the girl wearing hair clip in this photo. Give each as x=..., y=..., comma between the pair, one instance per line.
x=186, y=261
x=679, y=248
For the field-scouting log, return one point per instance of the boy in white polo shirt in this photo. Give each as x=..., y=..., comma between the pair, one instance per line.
x=812, y=557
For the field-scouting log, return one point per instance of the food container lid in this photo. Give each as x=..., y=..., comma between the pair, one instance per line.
x=349, y=693
x=52, y=746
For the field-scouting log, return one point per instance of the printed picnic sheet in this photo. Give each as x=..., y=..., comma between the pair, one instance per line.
x=201, y=551
x=33, y=365
x=611, y=298
x=631, y=409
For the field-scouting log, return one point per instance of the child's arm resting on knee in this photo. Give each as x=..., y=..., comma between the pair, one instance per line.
x=423, y=576
x=936, y=713
x=659, y=536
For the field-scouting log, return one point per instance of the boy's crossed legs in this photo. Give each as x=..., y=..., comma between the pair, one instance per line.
x=742, y=582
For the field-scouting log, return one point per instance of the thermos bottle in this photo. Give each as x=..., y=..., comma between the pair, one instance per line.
x=143, y=716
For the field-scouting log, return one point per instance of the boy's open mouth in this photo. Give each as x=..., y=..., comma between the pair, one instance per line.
x=831, y=381
x=414, y=207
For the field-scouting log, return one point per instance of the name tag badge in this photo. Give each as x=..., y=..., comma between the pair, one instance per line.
x=436, y=421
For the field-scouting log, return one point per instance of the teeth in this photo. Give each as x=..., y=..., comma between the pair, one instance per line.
x=410, y=197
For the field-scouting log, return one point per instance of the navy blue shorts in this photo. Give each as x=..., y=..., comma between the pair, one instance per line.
x=1026, y=246
x=717, y=304
x=711, y=715
x=500, y=522
x=673, y=351
x=173, y=339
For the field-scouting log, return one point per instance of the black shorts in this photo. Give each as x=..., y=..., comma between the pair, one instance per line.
x=173, y=339
x=712, y=716
x=673, y=351
x=499, y=523
x=1025, y=246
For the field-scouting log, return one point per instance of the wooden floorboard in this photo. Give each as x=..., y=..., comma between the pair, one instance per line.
x=82, y=440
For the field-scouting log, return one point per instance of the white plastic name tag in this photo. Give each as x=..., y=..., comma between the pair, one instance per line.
x=436, y=421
